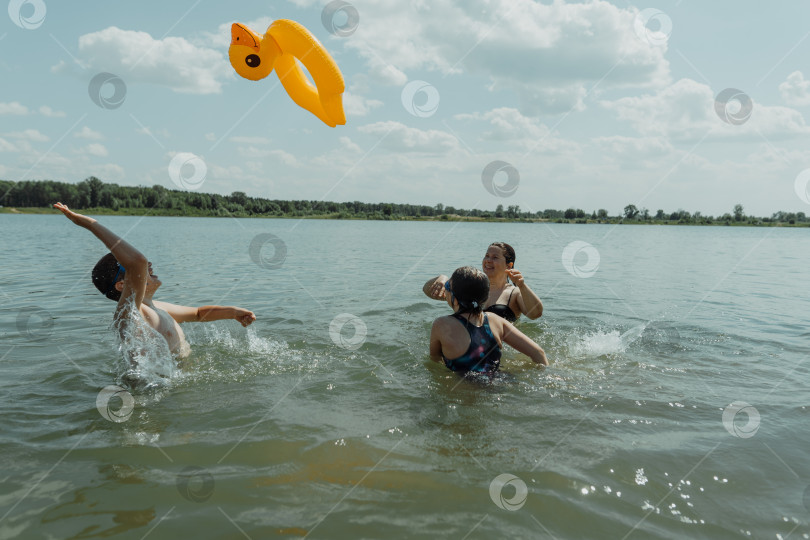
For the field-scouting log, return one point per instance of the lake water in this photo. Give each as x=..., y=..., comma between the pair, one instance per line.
x=675, y=406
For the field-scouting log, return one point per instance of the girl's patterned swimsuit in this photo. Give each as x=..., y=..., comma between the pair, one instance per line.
x=483, y=354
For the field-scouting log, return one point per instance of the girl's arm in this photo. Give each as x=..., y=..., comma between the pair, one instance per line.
x=435, y=342
x=521, y=342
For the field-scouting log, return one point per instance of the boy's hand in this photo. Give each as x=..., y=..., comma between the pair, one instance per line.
x=78, y=219
x=244, y=317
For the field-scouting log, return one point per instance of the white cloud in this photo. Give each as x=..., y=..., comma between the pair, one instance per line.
x=48, y=163
x=6, y=146
x=347, y=144
x=254, y=166
x=108, y=172
x=795, y=90
x=535, y=99
x=226, y=173
x=384, y=72
x=631, y=153
x=284, y=157
x=50, y=113
x=14, y=108
x=172, y=62
x=240, y=139
x=685, y=111
x=89, y=134
x=517, y=131
x=32, y=135
x=222, y=38
x=549, y=53
x=95, y=149
x=399, y=137
x=634, y=148
x=356, y=105
x=163, y=132
x=255, y=152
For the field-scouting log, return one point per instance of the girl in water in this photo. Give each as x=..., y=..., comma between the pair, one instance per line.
x=505, y=299
x=469, y=339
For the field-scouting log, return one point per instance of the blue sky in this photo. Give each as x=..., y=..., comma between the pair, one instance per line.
x=593, y=104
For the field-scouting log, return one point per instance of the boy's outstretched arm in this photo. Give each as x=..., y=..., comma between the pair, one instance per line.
x=183, y=314
x=134, y=262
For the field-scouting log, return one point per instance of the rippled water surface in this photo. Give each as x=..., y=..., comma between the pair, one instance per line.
x=675, y=406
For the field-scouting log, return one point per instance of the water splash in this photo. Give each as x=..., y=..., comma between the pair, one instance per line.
x=601, y=342
x=651, y=335
x=223, y=351
x=144, y=358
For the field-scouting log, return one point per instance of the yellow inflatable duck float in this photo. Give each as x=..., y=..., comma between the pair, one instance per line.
x=254, y=57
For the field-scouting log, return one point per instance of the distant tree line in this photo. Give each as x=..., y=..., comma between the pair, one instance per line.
x=736, y=216
x=93, y=194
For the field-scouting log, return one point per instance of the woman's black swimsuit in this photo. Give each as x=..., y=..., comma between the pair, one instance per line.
x=483, y=354
x=503, y=310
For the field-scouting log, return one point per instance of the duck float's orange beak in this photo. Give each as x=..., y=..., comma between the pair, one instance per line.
x=242, y=36
x=251, y=55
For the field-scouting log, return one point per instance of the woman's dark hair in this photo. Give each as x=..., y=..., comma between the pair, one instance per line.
x=508, y=251
x=470, y=287
x=104, y=273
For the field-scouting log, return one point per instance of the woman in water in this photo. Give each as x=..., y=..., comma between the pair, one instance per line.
x=505, y=299
x=469, y=339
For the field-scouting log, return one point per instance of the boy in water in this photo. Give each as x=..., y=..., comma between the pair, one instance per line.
x=126, y=276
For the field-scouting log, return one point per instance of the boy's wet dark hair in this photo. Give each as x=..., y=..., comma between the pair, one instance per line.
x=104, y=273
x=508, y=251
x=470, y=287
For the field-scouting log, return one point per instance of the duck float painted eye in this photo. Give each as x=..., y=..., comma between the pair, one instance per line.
x=254, y=57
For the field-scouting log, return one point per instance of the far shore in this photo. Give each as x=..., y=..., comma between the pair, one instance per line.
x=98, y=211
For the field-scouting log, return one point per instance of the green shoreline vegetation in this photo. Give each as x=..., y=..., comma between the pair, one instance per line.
x=94, y=197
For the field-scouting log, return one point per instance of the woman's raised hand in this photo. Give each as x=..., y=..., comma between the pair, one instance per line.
x=515, y=276
x=437, y=291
